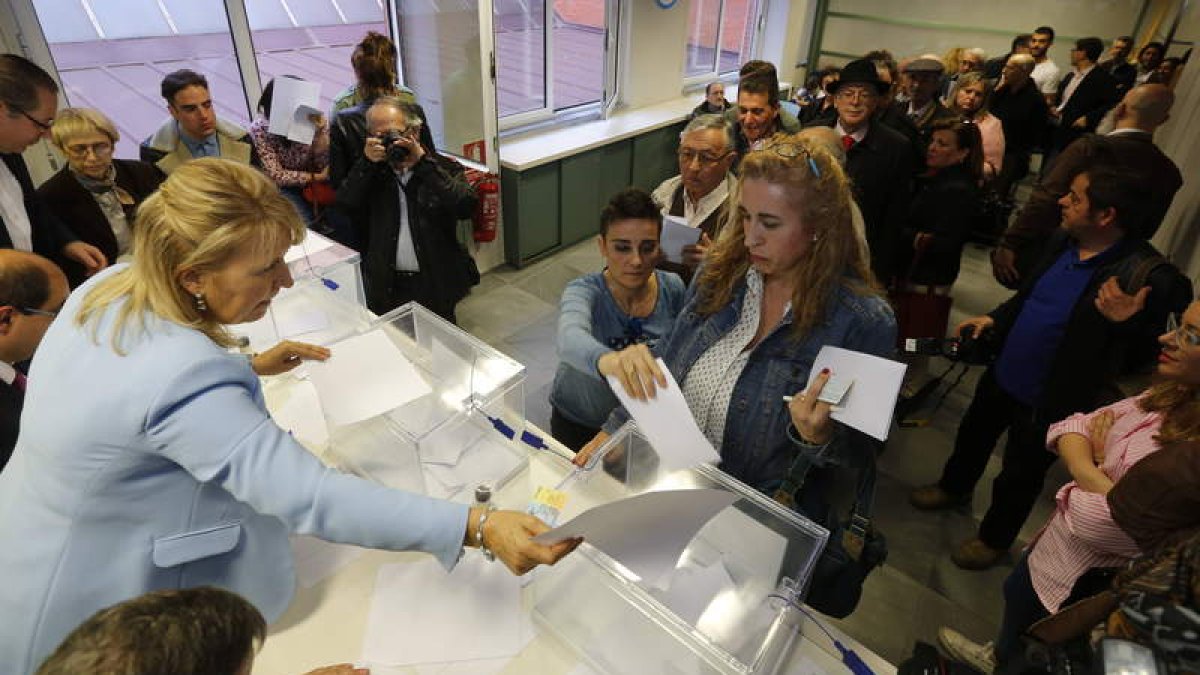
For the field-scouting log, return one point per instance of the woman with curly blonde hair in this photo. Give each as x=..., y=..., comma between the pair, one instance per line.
x=786, y=278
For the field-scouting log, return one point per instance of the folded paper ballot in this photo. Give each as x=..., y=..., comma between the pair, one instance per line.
x=648, y=532
x=668, y=424
x=868, y=405
x=676, y=234
x=365, y=376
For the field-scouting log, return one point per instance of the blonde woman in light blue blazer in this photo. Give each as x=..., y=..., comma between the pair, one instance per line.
x=147, y=459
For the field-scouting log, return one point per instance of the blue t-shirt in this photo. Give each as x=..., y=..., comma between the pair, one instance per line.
x=590, y=325
x=1034, y=339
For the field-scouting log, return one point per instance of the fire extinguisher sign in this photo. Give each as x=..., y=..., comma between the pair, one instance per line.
x=476, y=151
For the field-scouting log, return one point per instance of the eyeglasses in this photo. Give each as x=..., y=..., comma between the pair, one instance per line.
x=705, y=158
x=792, y=151
x=851, y=95
x=44, y=126
x=1184, y=337
x=29, y=311
x=103, y=149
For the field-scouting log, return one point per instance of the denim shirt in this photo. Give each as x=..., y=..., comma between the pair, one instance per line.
x=757, y=448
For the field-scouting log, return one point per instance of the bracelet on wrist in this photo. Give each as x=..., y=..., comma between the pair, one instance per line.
x=479, y=543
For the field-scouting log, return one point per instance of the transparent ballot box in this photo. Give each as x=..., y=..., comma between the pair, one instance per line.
x=725, y=608
x=444, y=443
x=335, y=265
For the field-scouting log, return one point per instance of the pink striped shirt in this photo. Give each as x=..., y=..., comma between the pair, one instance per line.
x=1081, y=534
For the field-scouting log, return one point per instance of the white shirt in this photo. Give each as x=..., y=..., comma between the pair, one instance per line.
x=406, y=251
x=7, y=373
x=1077, y=76
x=1047, y=76
x=862, y=131
x=12, y=209
x=695, y=212
x=709, y=386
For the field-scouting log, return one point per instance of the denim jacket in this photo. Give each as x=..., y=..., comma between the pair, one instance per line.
x=757, y=448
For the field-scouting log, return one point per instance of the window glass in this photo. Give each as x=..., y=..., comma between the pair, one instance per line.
x=578, y=52
x=729, y=22
x=701, y=47
x=113, y=56
x=520, y=55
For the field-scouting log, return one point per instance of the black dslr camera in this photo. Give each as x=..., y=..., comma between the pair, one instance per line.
x=396, y=154
x=973, y=351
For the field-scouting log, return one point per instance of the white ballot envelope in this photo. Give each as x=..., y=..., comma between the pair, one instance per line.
x=676, y=233
x=292, y=101
x=869, y=404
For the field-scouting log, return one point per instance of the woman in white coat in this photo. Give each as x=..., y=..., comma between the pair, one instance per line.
x=147, y=459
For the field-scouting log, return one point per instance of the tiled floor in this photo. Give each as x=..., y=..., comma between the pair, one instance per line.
x=918, y=589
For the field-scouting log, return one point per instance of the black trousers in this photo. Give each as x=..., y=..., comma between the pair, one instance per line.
x=1024, y=466
x=570, y=434
x=410, y=286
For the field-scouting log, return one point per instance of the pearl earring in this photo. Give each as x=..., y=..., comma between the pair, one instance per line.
x=201, y=305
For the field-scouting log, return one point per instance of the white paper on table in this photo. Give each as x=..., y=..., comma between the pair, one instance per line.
x=315, y=560
x=869, y=404
x=483, y=463
x=291, y=324
x=446, y=445
x=365, y=376
x=312, y=243
x=648, y=532
x=288, y=98
x=676, y=233
x=668, y=424
x=421, y=614
x=481, y=666
x=300, y=414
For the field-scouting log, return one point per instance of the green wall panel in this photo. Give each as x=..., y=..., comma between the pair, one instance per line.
x=531, y=211
x=654, y=157
x=588, y=180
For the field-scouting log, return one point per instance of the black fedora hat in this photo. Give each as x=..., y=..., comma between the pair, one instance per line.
x=860, y=71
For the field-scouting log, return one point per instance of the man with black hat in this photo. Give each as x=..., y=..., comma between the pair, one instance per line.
x=923, y=107
x=879, y=161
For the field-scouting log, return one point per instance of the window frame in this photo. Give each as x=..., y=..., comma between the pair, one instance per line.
x=690, y=82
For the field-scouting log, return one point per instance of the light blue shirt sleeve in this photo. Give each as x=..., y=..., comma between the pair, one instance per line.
x=208, y=420
x=577, y=344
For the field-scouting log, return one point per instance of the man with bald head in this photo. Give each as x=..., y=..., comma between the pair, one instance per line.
x=32, y=289
x=1022, y=112
x=1124, y=138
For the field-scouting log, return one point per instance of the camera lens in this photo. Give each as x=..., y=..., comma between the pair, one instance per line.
x=395, y=153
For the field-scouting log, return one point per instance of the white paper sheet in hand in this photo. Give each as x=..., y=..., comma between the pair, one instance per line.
x=300, y=414
x=676, y=233
x=869, y=404
x=288, y=96
x=668, y=424
x=366, y=375
x=648, y=532
x=421, y=614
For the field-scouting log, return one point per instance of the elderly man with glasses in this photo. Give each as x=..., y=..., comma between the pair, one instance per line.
x=32, y=289
x=28, y=99
x=700, y=193
x=879, y=161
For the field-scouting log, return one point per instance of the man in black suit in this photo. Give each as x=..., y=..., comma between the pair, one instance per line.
x=28, y=99
x=1084, y=95
x=32, y=289
x=878, y=159
x=1125, y=138
x=1116, y=62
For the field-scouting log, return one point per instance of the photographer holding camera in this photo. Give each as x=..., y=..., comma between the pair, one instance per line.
x=1091, y=311
x=406, y=201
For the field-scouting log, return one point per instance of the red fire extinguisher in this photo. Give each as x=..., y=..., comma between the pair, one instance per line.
x=487, y=214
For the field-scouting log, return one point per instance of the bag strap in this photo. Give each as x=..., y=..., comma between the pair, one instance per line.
x=1145, y=267
x=864, y=498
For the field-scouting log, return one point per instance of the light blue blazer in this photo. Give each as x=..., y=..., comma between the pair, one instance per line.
x=162, y=469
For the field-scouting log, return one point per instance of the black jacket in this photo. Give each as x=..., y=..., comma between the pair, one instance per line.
x=1022, y=114
x=946, y=205
x=437, y=196
x=880, y=168
x=49, y=234
x=1094, y=96
x=12, y=401
x=66, y=197
x=1094, y=350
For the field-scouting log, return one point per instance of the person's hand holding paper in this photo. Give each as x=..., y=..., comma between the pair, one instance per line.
x=872, y=385
x=636, y=369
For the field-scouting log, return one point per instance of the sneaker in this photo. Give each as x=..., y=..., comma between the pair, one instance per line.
x=981, y=657
x=976, y=555
x=934, y=498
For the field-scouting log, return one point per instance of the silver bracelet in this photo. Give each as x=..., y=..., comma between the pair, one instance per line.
x=487, y=553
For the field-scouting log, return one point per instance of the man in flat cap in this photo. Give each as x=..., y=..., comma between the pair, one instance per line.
x=923, y=107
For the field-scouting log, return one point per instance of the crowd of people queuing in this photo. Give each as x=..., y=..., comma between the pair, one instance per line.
x=805, y=223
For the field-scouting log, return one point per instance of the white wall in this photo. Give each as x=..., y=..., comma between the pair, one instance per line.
x=652, y=51
x=786, y=36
